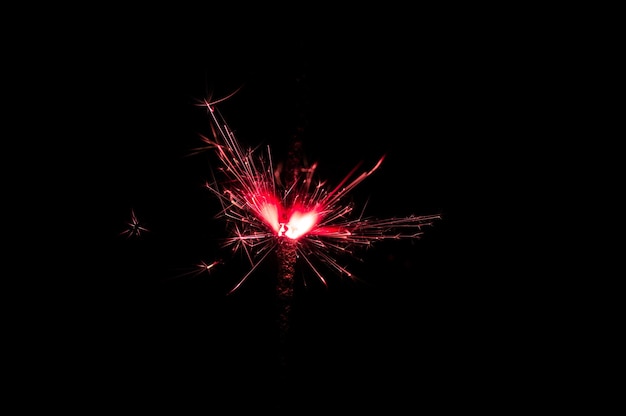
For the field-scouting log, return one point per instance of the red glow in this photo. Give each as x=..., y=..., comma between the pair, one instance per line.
x=270, y=212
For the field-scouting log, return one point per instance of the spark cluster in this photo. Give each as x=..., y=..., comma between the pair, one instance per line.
x=262, y=212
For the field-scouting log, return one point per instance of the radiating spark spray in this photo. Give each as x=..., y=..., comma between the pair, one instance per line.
x=292, y=215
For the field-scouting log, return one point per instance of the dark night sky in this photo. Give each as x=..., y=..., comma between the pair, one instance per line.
x=430, y=323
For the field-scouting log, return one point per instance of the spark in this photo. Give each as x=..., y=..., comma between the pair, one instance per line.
x=305, y=214
x=135, y=228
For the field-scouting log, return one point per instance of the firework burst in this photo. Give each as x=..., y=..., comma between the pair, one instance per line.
x=289, y=212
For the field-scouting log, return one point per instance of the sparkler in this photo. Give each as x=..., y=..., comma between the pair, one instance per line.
x=290, y=213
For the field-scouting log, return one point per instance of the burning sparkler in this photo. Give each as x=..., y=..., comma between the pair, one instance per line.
x=288, y=213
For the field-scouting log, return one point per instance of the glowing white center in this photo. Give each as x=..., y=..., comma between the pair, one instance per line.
x=299, y=224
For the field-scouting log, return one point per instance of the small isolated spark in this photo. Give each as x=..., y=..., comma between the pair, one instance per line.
x=135, y=228
x=200, y=268
x=313, y=220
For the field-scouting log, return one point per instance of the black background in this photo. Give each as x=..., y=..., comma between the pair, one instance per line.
x=441, y=321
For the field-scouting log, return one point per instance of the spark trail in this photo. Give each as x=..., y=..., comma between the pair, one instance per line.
x=289, y=213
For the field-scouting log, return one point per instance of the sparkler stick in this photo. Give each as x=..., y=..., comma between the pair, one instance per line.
x=286, y=251
x=287, y=213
